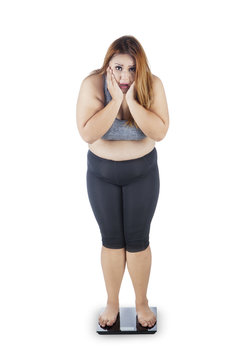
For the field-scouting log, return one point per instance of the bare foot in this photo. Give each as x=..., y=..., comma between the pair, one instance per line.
x=109, y=315
x=145, y=316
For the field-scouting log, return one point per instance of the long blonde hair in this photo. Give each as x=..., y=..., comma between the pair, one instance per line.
x=143, y=77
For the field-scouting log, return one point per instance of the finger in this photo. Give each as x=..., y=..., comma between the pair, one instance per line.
x=113, y=74
x=108, y=72
x=109, y=77
x=111, y=70
x=113, y=78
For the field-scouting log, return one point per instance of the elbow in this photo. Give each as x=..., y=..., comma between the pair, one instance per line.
x=162, y=134
x=161, y=137
x=87, y=139
x=83, y=134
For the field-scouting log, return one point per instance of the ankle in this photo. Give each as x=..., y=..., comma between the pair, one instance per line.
x=141, y=301
x=114, y=301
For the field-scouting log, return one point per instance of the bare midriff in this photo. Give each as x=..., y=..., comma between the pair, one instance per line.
x=119, y=150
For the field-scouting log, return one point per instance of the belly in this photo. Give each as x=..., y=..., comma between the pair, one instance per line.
x=120, y=150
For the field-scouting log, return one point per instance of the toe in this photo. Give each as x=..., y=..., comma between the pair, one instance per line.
x=153, y=322
x=149, y=324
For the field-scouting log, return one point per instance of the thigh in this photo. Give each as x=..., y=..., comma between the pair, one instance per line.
x=106, y=202
x=139, y=203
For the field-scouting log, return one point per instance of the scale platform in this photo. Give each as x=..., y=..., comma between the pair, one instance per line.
x=127, y=323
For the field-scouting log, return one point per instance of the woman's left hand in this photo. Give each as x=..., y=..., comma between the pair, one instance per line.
x=130, y=94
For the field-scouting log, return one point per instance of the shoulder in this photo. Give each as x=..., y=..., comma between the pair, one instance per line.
x=159, y=105
x=158, y=88
x=157, y=82
x=94, y=80
x=94, y=83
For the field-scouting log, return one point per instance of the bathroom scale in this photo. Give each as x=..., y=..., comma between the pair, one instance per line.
x=127, y=323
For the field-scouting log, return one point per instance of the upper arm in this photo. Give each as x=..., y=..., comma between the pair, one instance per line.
x=159, y=105
x=88, y=103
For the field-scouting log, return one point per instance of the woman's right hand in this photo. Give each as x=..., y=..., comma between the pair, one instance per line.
x=112, y=85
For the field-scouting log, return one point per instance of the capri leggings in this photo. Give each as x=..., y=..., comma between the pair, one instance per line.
x=123, y=196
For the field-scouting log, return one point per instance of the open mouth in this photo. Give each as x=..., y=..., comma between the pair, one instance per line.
x=124, y=86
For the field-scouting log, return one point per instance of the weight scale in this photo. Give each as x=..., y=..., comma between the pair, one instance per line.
x=127, y=323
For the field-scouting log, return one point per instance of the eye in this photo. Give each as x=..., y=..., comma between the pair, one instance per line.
x=133, y=68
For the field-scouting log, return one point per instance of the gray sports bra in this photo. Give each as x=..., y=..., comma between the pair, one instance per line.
x=118, y=130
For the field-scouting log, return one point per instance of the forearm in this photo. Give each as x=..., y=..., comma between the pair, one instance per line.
x=100, y=122
x=150, y=124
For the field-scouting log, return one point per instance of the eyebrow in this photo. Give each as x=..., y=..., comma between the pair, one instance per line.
x=123, y=65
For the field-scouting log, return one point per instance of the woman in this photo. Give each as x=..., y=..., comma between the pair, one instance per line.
x=121, y=112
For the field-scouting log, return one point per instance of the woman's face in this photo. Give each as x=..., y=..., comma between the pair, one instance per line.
x=124, y=67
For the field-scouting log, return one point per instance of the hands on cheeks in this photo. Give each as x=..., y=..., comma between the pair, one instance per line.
x=130, y=94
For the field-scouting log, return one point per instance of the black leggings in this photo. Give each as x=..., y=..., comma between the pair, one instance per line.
x=123, y=196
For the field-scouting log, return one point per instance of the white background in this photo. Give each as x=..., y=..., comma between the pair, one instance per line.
x=51, y=280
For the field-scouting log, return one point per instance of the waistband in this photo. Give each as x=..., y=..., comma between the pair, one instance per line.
x=148, y=155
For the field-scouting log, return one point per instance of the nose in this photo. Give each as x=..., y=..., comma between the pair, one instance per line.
x=124, y=79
